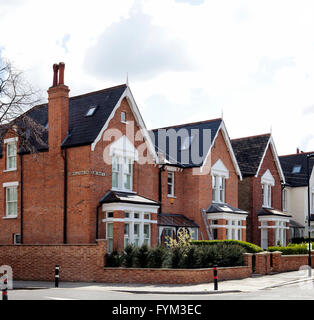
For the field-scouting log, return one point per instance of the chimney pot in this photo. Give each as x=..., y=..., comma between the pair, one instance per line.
x=55, y=75
x=298, y=150
x=61, y=72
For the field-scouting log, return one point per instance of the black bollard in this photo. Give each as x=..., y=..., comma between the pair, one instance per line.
x=57, y=276
x=215, y=278
x=5, y=289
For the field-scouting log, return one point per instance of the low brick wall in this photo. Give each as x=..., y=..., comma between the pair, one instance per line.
x=283, y=263
x=37, y=262
x=171, y=276
x=86, y=263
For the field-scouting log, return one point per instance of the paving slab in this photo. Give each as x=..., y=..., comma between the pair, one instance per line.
x=254, y=283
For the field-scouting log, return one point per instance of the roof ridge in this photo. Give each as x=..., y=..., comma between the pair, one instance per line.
x=296, y=154
x=97, y=91
x=250, y=137
x=187, y=124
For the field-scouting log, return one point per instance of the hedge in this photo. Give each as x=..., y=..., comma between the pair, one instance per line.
x=194, y=256
x=301, y=240
x=249, y=247
x=291, y=249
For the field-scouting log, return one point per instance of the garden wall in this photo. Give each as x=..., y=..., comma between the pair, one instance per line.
x=285, y=263
x=86, y=263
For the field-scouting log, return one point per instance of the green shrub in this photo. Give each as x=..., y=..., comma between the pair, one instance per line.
x=128, y=256
x=113, y=259
x=156, y=256
x=141, y=257
x=249, y=247
x=291, y=249
x=221, y=254
x=189, y=260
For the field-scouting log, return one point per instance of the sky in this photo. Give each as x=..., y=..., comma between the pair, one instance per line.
x=250, y=62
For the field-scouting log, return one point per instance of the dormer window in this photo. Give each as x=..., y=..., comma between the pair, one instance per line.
x=91, y=111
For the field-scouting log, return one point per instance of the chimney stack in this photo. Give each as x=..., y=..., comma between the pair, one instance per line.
x=298, y=150
x=58, y=109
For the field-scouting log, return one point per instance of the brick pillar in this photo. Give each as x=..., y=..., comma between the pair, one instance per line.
x=118, y=231
x=154, y=231
x=262, y=265
x=244, y=230
x=276, y=261
x=247, y=259
x=221, y=232
x=271, y=234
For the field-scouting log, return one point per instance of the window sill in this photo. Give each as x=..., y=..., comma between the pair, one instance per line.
x=171, y=196
x=9, y=217
x=9, y=170
x=122, y=190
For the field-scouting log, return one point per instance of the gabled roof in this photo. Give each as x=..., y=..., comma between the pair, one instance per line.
x=199, y=146
x=288, y=162
x=251, y=151
x=82, y=130
x=175, y=220
x=178, y=159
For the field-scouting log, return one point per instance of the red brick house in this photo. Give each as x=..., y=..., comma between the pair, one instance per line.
x=100, y=174
x=260, y=191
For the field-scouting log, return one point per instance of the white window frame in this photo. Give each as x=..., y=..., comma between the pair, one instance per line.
x=8, y=157
x=284, y=200
x=170, y=173
x=266, y=192
x=122, y=172
x=109, y=239
x=123, y=117
x=218, y=188
x=312, y=201
x=8, y=186
x=131, y=220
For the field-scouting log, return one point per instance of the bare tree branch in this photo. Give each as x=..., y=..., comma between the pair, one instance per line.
x=16, y=97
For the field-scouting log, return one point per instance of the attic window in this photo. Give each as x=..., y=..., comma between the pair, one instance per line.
x=296, y=169
x=91, y=111
x=123, y=117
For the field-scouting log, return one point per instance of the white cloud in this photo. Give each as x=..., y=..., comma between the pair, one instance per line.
x=135, y=46
x=253, y=59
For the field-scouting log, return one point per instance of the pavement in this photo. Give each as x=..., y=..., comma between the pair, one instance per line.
x=254, y=283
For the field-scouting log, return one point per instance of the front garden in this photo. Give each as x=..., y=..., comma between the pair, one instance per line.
x=183, y=254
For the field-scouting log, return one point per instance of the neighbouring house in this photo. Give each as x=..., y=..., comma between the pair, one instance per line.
x=260, y=191
x=200, y=174
x=295, y=192
x=98, y=173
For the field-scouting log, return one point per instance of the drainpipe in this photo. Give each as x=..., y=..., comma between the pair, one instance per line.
x=65, y=195
x=162, y=168
x=21, y=209
x=97, y=217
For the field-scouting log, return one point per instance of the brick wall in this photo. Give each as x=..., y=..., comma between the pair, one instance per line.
x=81, y=262
x=284, y=263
